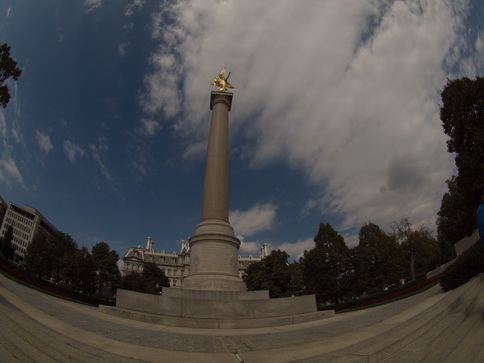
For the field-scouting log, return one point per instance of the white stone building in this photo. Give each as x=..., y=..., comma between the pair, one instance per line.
x=175, y=265
x=26, y=222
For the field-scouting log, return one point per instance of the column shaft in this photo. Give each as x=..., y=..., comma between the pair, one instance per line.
x=215, y=190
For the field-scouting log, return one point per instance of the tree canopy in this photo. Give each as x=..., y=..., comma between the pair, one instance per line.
x=419, y=247
x=151, y=280
x=327, y=266
x=58, y=256
x=105, y=263
x=378, y=261
x=6, y=246
x=272, y=273
x=8, y=69
x=63, y=248
x=38, y=257
x=462, y=116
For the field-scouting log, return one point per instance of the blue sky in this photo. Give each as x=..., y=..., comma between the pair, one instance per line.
x=335, y=116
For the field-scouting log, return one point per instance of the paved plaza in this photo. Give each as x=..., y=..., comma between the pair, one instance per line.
x=430, y=326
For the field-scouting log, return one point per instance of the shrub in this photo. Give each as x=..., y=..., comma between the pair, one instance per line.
x=466, y=266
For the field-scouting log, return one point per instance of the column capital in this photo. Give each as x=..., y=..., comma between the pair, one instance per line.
x=221, y=97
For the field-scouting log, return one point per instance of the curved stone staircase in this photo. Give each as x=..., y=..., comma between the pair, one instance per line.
x=449, y=329
x=428, y=327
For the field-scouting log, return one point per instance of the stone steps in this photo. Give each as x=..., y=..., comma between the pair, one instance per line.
x=464, y=343
x=445, y=332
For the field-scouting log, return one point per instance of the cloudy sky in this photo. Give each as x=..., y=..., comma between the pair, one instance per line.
x=335, y=116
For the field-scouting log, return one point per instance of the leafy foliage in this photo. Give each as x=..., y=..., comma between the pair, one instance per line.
x=82, y=272
x=464, y=268
x=8, y=69
x=462, y=115
x=336, y=274
x=63, y=248
x=105, y=263
x=421, y=250
x=327, y=267
x=38, y=257
x=58, y=256
x=272, y=273
x=6, y=246
x=378, y=261
x=151, y=280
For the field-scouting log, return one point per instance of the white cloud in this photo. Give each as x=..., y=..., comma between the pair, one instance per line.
x=135, y=5
x=308, y=207
x=249, y=248
x=9, y=172
x=98, y=154
x=91, y=5
x=347, y=91
x=72, y=151
x=149, y=127
x=43, y=140
x=122, y=48
x=294, y=249
x=258, y=218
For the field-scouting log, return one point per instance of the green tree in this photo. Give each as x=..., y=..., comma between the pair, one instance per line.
x=154, y=278
x=133, y=281
x=8, y=69
x=462, y=116
x=327, y=266
x=271, y=273
x=420, y=248
x=63, y=249
x=105, y=263
x=38, y=257
x=151, y=280
x=81, y=271
x=378, y=261
x=6, y=246
x=298, y=284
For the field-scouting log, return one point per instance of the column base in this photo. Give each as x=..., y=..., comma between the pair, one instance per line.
x=214, y=259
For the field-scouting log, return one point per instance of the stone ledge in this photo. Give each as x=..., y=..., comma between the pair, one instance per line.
x=221, y=306
x=215, y=323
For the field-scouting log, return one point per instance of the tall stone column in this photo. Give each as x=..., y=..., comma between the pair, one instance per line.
x=214, y=247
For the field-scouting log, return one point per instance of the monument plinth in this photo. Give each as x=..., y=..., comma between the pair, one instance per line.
x=214, y=247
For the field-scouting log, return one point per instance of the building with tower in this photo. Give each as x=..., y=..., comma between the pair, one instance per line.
x=176, y=266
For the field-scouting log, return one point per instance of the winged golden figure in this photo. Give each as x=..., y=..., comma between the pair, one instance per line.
x=221, y=81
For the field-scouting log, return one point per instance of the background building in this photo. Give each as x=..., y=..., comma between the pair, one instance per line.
x=26, y=222
x=175, y=265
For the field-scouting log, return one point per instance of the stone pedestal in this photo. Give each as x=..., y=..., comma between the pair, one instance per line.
x=214, y=247
x=215, y=309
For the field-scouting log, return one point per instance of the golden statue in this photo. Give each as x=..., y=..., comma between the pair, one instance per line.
x=221, y=81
